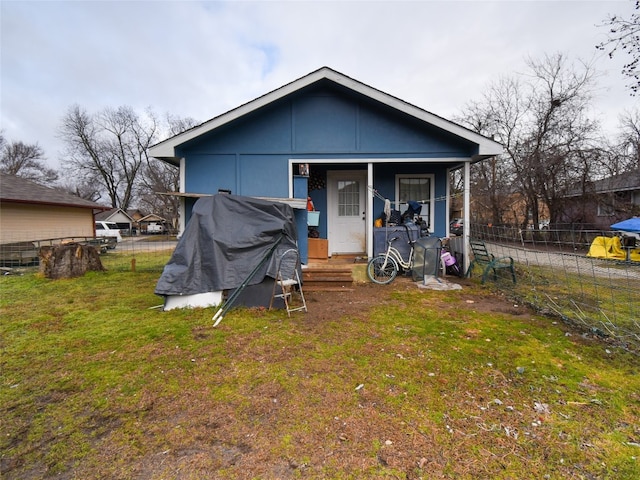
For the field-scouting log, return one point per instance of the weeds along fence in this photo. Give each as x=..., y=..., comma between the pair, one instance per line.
x=556, y=277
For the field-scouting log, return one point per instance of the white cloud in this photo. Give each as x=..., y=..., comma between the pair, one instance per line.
x=200, y=59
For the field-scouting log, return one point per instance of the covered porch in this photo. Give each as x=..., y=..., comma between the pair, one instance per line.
x=349, y=196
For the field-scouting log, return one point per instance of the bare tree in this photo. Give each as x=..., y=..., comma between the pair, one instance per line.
x=624, y=34
x=561, y=133
x=541, y=119
x=110, y=146
x=27, y=161
x=497, y=115
x=159, y=178
x=629, y=146
x=89, y=190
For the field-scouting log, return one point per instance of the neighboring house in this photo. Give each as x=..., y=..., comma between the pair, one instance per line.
x=513, y=211
x=30, y=211
x=345, y=144
x=135, y=215
x=604, y=202
x=119, y=217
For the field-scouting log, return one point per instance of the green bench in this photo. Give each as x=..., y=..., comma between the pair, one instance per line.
x=488, y=262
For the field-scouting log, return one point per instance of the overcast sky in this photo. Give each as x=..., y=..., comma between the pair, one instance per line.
x=200, y=59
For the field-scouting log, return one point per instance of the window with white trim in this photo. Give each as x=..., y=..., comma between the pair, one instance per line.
x=417, y=188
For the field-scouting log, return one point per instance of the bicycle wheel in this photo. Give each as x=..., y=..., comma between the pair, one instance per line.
x=382, y=270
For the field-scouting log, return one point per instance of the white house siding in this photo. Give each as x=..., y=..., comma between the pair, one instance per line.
x=23, y=222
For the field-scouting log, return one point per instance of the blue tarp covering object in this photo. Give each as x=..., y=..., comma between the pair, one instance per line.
x=224, y=241
x=630, y=225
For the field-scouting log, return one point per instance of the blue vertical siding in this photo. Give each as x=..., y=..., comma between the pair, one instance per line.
x=250, y=155
x=325, y=123
x=208, y=173
x=263, y=176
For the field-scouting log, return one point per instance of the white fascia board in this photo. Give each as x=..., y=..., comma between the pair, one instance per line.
x=162, y=150
x=486, y=145
x=352, y=160
x=166, y=149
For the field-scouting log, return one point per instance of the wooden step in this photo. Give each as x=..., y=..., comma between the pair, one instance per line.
x=326, y=279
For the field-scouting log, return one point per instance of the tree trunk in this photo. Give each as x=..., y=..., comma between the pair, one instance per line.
x=69, y=260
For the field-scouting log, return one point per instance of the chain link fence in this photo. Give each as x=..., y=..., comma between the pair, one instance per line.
x=557, y=278
x=145, y=253
x=554, y=274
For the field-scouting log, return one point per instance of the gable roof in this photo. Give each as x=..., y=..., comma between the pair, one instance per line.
x=112, y=212
x=165, y=150
x=20, y=190
x=152, y=217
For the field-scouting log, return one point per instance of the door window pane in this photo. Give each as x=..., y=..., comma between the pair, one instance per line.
x=348, y=198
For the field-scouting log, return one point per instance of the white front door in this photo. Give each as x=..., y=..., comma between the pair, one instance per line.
x=346, y=200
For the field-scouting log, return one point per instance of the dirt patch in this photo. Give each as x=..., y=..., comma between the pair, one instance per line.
x=356, y=301
x=262, y=434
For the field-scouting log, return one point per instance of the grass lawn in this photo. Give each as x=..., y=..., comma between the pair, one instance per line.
x=382, y=382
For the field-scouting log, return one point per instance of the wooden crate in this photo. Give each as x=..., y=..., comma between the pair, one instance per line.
x=318, y=248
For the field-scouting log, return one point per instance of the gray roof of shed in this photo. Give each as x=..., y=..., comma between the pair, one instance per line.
x=20, y=190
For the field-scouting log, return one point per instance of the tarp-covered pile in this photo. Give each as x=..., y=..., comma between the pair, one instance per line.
x=225, y=240
x=611, y=247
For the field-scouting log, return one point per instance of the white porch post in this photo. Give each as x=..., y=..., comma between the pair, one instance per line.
x=369, y=211
x=183, y=200
x=466, y=215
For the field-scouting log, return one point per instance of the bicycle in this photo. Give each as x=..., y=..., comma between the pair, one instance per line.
x=384, y=268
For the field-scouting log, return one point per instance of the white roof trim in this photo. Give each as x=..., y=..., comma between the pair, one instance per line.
x=354, y=160
x=166, y=148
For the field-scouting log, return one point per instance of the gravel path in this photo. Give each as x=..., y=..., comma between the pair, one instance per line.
x=616, y=270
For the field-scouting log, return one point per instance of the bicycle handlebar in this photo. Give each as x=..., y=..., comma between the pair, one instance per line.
x=391, y=240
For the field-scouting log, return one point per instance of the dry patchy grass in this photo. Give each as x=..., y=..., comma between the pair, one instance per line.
x=382, y=382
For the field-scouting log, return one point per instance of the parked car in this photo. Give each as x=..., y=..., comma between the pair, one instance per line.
x=456, y=226
x=543, y=225
x=110, y=231
x=155, y=228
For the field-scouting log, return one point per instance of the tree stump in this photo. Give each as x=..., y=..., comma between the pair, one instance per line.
x=69, y=260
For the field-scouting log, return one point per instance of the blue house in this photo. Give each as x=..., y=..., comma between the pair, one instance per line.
x=344, y=144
